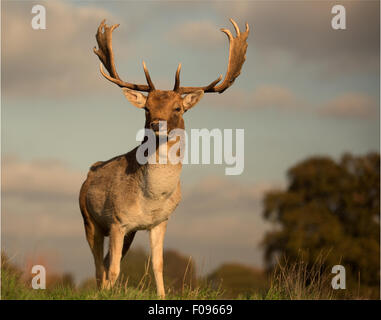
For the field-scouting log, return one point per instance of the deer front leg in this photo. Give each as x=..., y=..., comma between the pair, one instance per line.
x=157, y=238
x=115, y=254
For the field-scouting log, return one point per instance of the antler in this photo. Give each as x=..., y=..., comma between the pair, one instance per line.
x=106, y=56
x=237, y=56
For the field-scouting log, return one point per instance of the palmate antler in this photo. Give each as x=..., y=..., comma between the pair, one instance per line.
x=237, y=56
x=106, y=56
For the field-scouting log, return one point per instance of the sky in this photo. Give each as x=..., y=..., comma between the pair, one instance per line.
x=304, y=90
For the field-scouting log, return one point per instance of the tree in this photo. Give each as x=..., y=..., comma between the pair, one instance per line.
x=331, y=208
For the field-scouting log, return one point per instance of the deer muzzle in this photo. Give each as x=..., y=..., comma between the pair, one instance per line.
x=159, y=127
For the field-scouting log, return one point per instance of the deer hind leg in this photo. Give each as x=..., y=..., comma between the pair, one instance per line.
x=95, y=238
x=115, y=255
x=157, y=239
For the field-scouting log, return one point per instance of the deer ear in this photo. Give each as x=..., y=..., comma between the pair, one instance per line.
x=191, y=99
x=135, y=97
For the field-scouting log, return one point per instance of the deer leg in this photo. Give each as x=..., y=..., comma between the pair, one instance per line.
x=95, y=238
x=157, y=239
x=115, y=254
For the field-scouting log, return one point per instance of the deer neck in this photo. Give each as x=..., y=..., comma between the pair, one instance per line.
x=160, y=180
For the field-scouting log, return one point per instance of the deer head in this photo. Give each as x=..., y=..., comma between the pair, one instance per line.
x=169, y=105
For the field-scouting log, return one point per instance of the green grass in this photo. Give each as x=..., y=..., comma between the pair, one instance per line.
x=14, y=288
x=289, y=282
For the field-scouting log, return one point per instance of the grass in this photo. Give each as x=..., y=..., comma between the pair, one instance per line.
x=296, y=281
x=14, y=288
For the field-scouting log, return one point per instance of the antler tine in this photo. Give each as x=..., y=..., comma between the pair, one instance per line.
x=184, y=90
x=235, y=26
x=209, y=88
x=149, y=81
x=119, y=82
x=212, y=84
x=237, y=57
x=106, y=56
x=177, y=78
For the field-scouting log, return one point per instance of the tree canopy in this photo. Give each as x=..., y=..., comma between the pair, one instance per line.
x=332, y=208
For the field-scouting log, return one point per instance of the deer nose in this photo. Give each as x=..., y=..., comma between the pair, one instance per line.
x=156, y=125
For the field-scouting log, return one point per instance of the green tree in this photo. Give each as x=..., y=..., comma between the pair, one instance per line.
x=331, y=208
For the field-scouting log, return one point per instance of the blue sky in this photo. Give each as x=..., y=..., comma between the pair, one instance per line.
x=305, y=89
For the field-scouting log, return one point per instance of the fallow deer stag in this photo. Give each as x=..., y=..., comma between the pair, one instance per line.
x=121, y=196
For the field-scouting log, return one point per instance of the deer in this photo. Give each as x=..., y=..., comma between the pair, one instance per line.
x=121, y=196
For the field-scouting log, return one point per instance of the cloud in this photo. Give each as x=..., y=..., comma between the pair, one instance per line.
x=263, y=96
x=303, y=32
x=48, y=177
x=197, y=34
x=55, y=62
x=40, y=199
x=350, y=105
x=274, y=96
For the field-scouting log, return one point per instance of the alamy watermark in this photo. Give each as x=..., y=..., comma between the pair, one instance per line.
x=39, y=280
x=162, y=147
x=339, y=280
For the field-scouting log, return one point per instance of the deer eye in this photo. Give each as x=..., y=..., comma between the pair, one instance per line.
x=178, y=109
